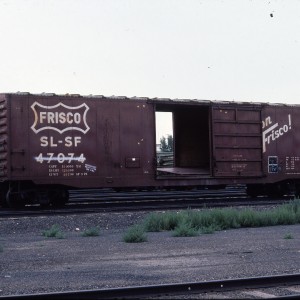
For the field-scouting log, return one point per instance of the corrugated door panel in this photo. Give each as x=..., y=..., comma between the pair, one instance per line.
x=237, y=141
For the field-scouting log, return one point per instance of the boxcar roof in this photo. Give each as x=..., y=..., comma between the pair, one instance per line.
x=155, y=100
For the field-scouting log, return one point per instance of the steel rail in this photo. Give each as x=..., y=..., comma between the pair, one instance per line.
x=154, y=205
x=133, y=203
x=78, y=195
x=107, y=200
x=138, y=292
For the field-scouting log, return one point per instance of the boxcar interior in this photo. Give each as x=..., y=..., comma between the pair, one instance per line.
x=191, y=142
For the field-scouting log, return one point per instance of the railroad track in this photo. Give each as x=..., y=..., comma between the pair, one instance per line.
x=105, y=200
x=110, y=195
x=285, y=286
x=152, y=199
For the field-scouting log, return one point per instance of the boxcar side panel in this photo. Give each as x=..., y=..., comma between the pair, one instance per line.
x=281, y=142
x=19, y=135
x=4, y=139
x=62, y=139
x=82, y=141
x=108, y=141
x=137, y=141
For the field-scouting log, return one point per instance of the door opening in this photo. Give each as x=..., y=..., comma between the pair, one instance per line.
x=184, y=149
x=164, y=139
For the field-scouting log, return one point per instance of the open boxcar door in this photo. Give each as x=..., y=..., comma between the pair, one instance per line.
x=236, y=141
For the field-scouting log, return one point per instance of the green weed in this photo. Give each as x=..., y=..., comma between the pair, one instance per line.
x=288, y=236
x=54, y=231
x=190, y=222
x=135, y=234
x=209, y=229
x=162, y=222
x=94, y=231
x=185, y=230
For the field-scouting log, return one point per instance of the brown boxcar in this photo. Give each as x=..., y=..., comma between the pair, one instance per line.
x=52, y=143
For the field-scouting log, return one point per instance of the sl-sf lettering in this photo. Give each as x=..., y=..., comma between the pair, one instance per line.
x=68, y=141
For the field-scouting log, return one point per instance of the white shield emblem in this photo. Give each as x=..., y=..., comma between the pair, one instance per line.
x=60, y=117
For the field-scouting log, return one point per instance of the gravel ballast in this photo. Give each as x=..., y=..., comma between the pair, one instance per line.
x=32, y=263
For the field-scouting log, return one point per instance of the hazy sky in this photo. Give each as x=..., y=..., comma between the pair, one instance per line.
x=238, y=50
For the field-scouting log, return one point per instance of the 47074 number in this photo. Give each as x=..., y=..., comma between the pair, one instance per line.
x=60, y=158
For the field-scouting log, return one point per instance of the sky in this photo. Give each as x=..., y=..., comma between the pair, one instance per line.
x=231, y=50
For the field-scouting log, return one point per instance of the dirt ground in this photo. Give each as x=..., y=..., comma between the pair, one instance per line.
x=31, y=263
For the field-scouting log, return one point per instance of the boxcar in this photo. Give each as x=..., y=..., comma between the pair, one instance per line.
x=51, y=143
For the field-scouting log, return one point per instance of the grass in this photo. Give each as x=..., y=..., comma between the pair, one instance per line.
x=192, y=223
x=94, y=231
x=185, y=230
x=135, y=234
x=54, y=232
x=288, y=236
x=156, y=222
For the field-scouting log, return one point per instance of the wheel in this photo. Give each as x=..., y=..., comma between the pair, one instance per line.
x=59, y=197
x=297, y=191
x=3, y=202
x=275, y=191
x=14, y=200
x=252, y=190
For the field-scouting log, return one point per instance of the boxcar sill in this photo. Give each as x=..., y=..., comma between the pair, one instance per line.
x=183, y=171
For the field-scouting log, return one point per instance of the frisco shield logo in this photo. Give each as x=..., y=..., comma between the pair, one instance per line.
x=60, y=117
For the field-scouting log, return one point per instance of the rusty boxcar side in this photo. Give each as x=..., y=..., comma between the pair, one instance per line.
x=74, y=141
x=50, y=143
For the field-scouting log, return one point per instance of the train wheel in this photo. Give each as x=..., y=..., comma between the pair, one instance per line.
x=297, y=191
x=59, y=197
x=253, y=190
x=275, y=191
x=3, y=202
x=14, y=200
